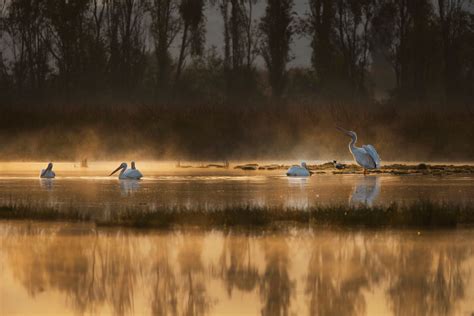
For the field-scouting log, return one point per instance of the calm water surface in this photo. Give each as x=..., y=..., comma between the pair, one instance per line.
x=164, y=185
x=61, y=269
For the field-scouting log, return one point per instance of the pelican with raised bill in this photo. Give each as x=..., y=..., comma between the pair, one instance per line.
x=365, y=156
x=128, y=174
x=48, y=173
x=299, y=171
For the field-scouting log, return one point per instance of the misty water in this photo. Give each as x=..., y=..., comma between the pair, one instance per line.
x=62, y=269
x=166, y=186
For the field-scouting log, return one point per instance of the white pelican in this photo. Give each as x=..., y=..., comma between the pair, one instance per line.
x=366, y=157
x=127, y=174
x=136, y=170
x=48, y=173
x=299, y=171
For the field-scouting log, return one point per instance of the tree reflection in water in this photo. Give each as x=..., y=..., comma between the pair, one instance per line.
x=90, y=270
x=237, y=269
x=162, y=279
x=193, y=280
x=427, y=282
x=120, y=271
x=276, y=287
x=337, y=276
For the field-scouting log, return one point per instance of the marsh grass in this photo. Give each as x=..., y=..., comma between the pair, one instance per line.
x=395, y=169
x=416, y=214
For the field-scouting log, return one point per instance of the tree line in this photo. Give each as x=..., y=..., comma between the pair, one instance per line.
x=155, y=50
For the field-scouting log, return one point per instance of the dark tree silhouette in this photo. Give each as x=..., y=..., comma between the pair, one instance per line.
x=277, y=27
x=353, y=27
x=457, y=45
x=319, y=25
x=240, y=46
x=165, y=26
x=407, y=31
x=76, y=51
x=193, y=33
x=68, y=23
x=26, y=39
x=126, y=43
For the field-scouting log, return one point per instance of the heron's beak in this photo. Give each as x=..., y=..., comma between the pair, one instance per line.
x=120, y=167
x=345, y=131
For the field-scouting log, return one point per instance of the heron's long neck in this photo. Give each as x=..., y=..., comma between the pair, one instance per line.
x=352, y=143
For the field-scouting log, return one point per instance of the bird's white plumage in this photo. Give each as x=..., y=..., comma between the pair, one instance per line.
x=373, y=154
x=298, y=171
x=131, y=174
x=365, y=156
x=48, y=173
x=127, y=174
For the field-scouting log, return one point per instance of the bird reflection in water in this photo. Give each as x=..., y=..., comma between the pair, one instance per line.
x=366, y=190
x=46, y=184
x=129, y=187
x=297, y=194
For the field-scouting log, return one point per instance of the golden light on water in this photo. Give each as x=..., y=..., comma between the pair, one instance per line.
x=70, y=269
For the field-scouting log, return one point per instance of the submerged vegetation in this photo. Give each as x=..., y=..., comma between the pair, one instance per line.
x=417, y=214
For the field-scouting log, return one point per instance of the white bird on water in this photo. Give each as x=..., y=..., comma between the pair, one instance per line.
x=299, y=171
x=365, y=156
x=128, y=174
x=48, y=173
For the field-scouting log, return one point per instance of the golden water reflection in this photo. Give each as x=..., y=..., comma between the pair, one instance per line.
x=77, y=269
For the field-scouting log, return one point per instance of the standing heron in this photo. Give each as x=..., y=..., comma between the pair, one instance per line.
x=365, y=156
x=48, y=173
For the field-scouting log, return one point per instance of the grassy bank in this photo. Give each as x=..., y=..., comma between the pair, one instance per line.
x=417, y=214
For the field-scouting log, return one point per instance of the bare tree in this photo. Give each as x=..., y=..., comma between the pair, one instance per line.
x=405, y=29
x=25, y=33
x=193, y=33
x=126, y=42
x=353, y=38
x=318, y=24
x=68, y=26
x=277, y=27
x=165, y=26
x=454, y=22
x=240, y=43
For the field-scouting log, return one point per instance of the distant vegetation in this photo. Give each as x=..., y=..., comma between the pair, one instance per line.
x=416, y=214
x=73, y=73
